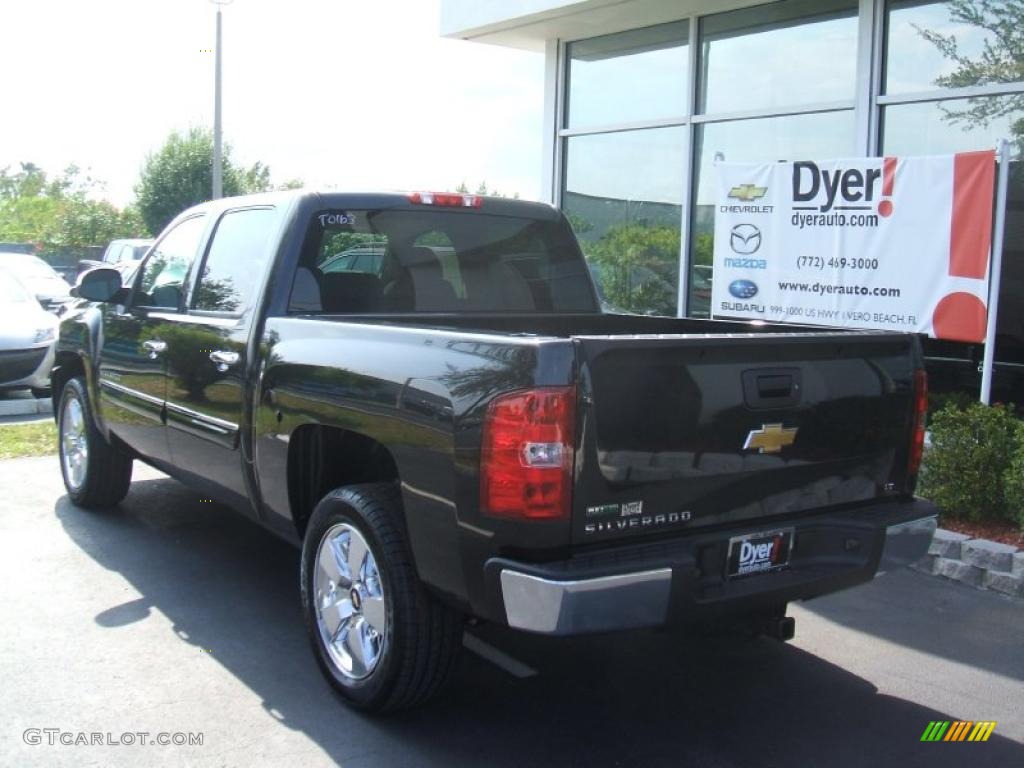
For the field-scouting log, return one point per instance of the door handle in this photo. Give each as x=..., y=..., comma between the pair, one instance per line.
x=154, y=347
x=224, y=359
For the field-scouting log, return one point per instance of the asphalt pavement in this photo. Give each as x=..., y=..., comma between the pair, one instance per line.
x=172, y=615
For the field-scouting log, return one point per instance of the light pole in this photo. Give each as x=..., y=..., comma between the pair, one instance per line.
x=218, y=187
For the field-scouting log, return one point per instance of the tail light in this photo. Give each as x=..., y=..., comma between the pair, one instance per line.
x=447, y=199
x=920, y=419
x=527, y=457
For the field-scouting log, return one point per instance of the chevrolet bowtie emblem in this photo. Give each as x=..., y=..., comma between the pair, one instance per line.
x=747, y=192
x=770, y=438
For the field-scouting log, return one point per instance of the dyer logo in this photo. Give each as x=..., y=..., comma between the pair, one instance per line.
x=745, y=239
x=743, y=289
x=760, y=552
x=851, y=189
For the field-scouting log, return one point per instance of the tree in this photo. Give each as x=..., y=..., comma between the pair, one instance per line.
x=54, y=212
x=180, y=175
x=1001, y=61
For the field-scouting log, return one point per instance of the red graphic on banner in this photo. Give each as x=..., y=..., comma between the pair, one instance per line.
x=963, y=316
x=885, y=207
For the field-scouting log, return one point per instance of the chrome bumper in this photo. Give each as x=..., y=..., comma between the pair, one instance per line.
x=906, y=543
x=590, y=605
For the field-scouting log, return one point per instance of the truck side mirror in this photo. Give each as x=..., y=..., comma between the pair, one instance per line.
x=100, y=284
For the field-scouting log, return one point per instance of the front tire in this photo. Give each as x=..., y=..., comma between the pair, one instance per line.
x=381, y=640
x=96, y=473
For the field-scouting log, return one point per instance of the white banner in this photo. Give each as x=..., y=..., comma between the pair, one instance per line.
x=899, y=243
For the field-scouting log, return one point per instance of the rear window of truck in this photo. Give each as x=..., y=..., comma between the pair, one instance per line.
x=400, y=261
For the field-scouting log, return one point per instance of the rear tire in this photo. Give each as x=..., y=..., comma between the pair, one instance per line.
x=96, y=473
x=381, y=640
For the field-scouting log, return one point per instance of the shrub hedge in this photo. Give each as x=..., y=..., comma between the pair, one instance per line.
x=974, y=469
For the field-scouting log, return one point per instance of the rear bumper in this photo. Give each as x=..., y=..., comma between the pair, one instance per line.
x=683, y=581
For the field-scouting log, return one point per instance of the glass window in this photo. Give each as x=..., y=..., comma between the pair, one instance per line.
x=438, y=260
x=631, y=76
x=623, y=196
x=234, y=262
x=163, y=275
x=778, y=55
x=821, y=135
x=963, y=125
x=953, y=45
x=953, y=125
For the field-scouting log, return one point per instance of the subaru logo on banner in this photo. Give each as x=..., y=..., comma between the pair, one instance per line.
x=743, y=289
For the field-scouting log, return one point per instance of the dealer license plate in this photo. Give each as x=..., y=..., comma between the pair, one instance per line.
x=762, y=552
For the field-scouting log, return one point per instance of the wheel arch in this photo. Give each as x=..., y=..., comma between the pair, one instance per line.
x=322, y=458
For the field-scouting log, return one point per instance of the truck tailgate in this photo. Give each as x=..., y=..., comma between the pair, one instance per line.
x=688, y=431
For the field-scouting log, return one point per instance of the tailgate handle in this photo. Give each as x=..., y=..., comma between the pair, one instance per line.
x=771, y=387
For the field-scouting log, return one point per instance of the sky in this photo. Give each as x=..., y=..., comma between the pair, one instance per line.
x=339, y=94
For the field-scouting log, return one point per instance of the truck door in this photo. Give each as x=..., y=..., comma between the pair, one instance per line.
x=132, y=362
x=208, y=371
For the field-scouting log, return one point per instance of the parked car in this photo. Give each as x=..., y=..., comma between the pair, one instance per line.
x=49, y=288
x=27, y=336
x=460, y=431
x=126, y=251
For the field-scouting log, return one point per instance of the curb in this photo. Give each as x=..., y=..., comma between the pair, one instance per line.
x=979, y=563
x=25, y=407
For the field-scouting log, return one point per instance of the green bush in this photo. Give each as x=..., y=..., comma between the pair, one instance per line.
x=939, y=400
x=1013, y=482
x=965, y=470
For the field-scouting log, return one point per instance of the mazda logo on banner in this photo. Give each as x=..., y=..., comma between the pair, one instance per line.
x=745, y=239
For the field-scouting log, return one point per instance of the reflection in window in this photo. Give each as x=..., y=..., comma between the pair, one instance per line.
x=778, y=55
x=163, y=276
x=635, y=75
x=235, y=260
x=962, y=125
x=953, y=45
x=816, y=136
x=623, y=196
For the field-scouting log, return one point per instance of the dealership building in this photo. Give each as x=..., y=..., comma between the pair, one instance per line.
x=641, y=97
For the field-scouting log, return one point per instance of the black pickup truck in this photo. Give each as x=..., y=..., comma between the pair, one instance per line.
x=423, y=393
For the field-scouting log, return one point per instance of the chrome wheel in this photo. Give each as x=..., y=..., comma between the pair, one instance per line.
x=350, y=609
x=74, y=445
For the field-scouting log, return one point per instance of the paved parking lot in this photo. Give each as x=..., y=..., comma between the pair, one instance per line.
x=174, y=615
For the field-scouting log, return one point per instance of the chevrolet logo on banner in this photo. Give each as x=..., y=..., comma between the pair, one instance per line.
x=770, y=438
x=747, y=192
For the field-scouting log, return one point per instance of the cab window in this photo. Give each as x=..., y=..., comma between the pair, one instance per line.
x=161, y=284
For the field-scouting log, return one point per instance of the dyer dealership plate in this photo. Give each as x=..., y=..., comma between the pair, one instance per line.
x=762, y=552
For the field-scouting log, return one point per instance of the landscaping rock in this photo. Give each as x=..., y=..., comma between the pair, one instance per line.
x=958, y=571
x=1018, y=565
x=1006, y=583
x=926, y=564
x=947, y=544
x=990, y=555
